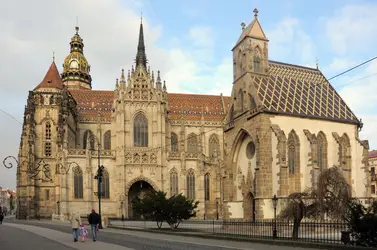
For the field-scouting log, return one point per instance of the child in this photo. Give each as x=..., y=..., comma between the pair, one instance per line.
x=83, y=232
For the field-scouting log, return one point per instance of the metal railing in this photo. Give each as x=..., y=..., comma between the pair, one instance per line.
x=309, y=231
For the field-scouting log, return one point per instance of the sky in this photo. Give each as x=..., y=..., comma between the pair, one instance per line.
x=189, y=41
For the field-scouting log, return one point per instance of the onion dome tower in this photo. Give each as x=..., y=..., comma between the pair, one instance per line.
x=75, y=67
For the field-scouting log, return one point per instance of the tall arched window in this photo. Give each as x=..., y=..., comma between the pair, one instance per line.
x=257, y=64
x=214, y=145
x=321, y=151
x=240, y=99
x=293, y=153
x=105, y=185
x=174, y=142
x=252, y=104
x=173, y=183
x=206, y=187
x=88, y=135
x=107, y=140
x=192, y=143
x=78, y=185
x=48, y=139
x=191, y=185
x=140, y=131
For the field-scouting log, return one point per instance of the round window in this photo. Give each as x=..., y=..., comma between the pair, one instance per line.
x=250, y=150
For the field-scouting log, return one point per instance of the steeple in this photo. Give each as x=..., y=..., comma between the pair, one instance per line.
x=141, y=57
x=76, y=69
x=51, y=79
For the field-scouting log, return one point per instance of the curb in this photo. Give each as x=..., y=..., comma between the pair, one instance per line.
x=253, y=240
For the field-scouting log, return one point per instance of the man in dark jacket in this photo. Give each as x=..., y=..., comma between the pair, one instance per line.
x=94, y=220
x=1, y=217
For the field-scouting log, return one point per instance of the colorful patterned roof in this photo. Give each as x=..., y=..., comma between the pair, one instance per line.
x=372, y=154
x=52, y=78
x=193, y=106
x=301, y=91
x=90, y=103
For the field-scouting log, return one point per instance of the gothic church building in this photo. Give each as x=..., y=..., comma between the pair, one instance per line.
x=279, y=128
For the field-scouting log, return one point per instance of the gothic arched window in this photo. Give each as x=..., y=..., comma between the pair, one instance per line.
x=191, y=185
x=321, y=151
x=140, y=131
x=293, y=153
x=240, y=100
x=192, y=143
x=206, y=187
x=174, y=142
x=214, y=145
x=252, y=104
x=78, y=185
x=88, y=135
x=257, y=64
x=107, y=140
x=105, y=185
x=48, y=139
x=173, y=183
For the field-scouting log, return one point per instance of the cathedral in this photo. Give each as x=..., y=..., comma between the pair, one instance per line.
x=281, y=125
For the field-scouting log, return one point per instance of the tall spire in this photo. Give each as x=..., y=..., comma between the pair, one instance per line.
x=141, y=57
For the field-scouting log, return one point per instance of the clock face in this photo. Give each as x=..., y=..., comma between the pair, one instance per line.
x=74, y=64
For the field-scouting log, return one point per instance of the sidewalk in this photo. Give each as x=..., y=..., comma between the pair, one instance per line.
x=66, y=239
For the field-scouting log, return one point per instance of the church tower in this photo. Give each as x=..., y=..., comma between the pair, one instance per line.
x=76, y=70
x=250, y=58
x=140, y=122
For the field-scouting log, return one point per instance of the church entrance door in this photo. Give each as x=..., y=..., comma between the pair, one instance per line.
x=249, y=207
x=138, y=189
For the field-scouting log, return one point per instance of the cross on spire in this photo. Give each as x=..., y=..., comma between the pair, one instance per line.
x=255, y=12
x=77, y=25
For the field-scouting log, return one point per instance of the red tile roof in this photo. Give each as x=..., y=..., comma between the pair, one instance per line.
x=372, y=154
x=90, y=103
x=193, y=106
x=52, y=78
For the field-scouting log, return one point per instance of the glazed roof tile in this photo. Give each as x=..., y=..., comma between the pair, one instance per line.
x=301, y=91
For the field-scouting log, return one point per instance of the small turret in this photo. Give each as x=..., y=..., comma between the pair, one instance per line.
x=158, y=83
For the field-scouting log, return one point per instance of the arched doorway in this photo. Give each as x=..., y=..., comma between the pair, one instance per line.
x=138, y=189
x=249, y=207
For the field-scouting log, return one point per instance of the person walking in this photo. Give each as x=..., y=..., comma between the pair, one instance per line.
x=94, y=220
x=1, y=217
x=75, y=222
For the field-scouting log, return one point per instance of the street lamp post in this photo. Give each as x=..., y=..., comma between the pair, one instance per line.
x=98, y=177
x=217, y=210
x=274, y=203
x=58, y=203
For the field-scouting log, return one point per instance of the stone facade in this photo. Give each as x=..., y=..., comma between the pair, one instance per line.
x=232, y=154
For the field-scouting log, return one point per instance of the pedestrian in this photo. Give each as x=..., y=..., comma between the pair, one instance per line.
x=75, y=222
x=1, y=217
x=83, y=232
x=94, y=220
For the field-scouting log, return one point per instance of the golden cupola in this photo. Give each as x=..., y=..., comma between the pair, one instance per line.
x=76, y=70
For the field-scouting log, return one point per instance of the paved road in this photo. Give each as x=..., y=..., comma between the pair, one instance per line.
x=111, y=237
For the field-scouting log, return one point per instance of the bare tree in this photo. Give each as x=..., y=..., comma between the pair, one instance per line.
x=330, y=197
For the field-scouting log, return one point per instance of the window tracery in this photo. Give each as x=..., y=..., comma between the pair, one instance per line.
x=214, y=145
x=140, y=131
x=174, y=142
x=192, y=143
x=191, y=185
x=107, y=140
x=78, y=184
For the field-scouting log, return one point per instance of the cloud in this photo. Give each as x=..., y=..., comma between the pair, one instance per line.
x=351, y=29
x=339, y=64
x=201, y=36
x=289, y=40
